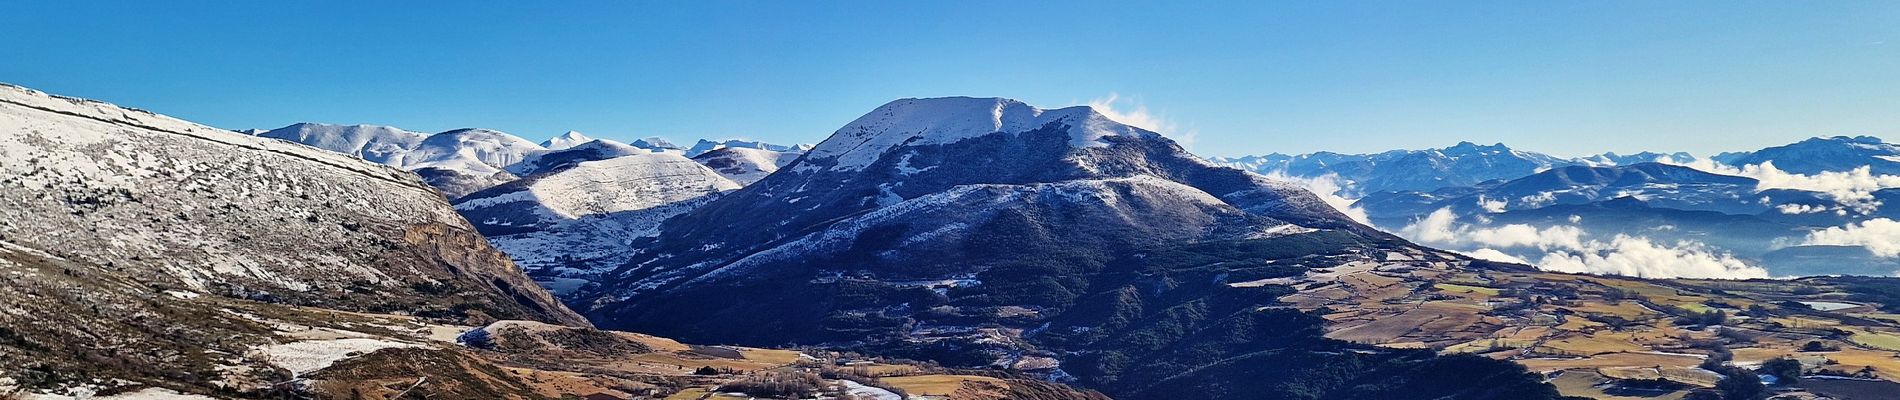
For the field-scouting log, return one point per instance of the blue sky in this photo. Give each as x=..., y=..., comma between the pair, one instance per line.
x=1245, y=77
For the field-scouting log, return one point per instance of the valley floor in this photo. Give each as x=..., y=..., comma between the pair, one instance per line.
x=1591, y=332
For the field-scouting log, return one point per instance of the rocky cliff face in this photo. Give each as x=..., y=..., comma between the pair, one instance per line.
x=171, y=205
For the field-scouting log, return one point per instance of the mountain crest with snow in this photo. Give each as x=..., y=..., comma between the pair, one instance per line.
x=918, y=122
x=566, y=140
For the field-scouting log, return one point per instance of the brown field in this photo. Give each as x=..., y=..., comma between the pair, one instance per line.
x=655, y=342
x=1479, y=292
x=1885, y=363
x=556, y=383
x=689, y=394
x=779, y=357
x=937, y=385
x=1591, y=344
x=1583, y=383
x=1626, y=309
x=885, y=370
x=1611, y=360
x=683, y=363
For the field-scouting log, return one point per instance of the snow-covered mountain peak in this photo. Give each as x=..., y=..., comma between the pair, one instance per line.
x=472, y=149
x=566, y=140
x=1468, y=146
x=909, y=122
x=655, y=143
x=703, y=146
x=376, y=143
x=1862, y=139
x=1819, y=154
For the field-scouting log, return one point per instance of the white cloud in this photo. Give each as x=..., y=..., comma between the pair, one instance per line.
x=1132, y=112
x=1852, y=189
x=1879, y=235
x=1792, y=208
x=1491, y=206
x=1328, y=188
x=1640, y=257
x=1568, y=248
x=1494, y=255
x=1538, y=200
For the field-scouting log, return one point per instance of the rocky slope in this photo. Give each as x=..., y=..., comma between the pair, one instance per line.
x=180, y=205
x=118, y=209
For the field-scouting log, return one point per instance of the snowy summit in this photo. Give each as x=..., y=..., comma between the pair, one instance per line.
x=912, y=122
x=566, y=140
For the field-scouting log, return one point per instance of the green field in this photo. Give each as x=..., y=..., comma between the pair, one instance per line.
x=1456, y=288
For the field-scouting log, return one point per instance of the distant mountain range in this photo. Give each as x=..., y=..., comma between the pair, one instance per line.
x=1817, y=155
x=464, y=161
x=1468, y=164
x=1464, y=164
x=1769, y=201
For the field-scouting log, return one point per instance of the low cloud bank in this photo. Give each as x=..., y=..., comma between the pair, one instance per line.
x=1880, y=236
x=1852, y=189
x=1328, y=188
x=1568, y=248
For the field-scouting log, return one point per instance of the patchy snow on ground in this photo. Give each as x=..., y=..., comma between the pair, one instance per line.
x=141, y=394
x=858, y=389
x=312, y=355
